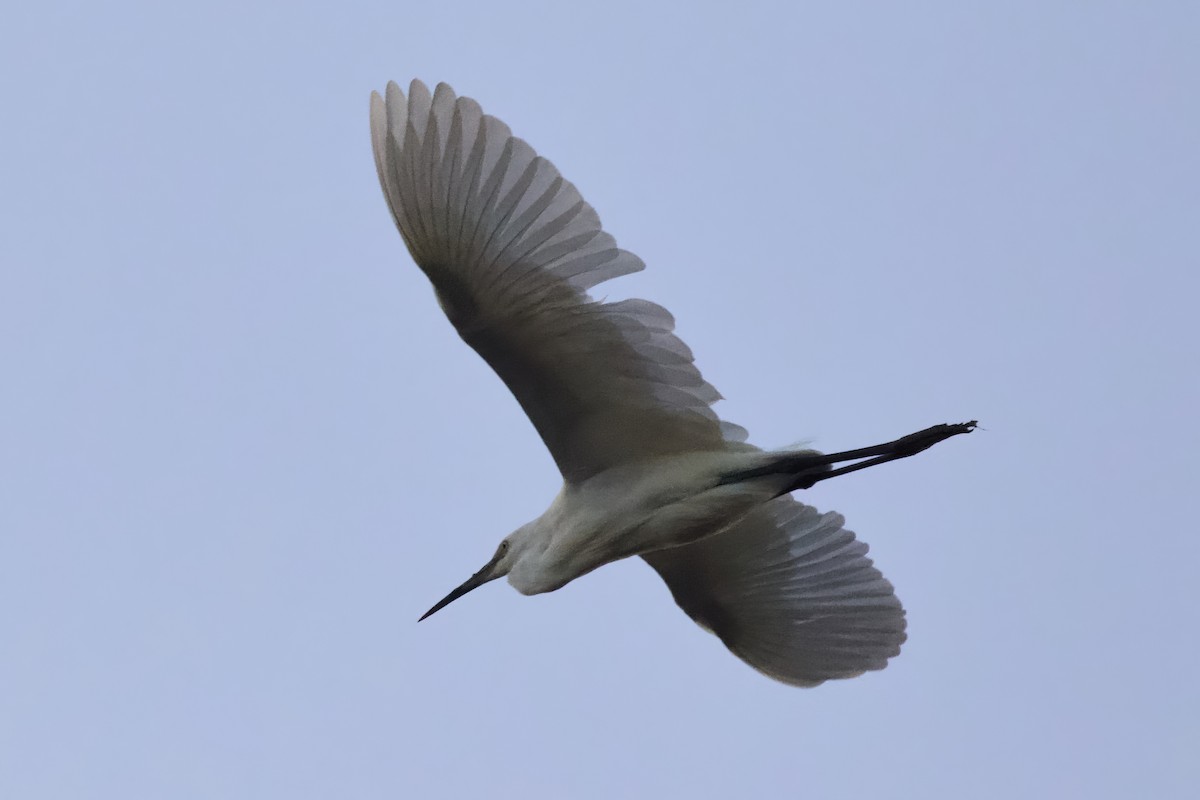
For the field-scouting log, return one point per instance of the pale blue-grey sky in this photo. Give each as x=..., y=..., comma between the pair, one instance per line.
x=242, y=450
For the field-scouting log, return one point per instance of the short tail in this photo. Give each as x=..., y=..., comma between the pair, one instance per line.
x=803, y=468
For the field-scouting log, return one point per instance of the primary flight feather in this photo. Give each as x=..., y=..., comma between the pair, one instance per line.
x=648, y=468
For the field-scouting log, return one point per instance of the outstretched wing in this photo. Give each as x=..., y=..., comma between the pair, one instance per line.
x=789, y=591
x=512, y=249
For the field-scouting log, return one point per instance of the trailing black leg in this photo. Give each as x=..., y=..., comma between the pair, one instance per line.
x=807, y=469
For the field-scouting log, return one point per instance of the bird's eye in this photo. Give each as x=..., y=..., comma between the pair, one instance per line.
x=503, y=546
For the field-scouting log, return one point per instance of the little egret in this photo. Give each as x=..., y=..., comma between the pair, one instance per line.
x=648, y=469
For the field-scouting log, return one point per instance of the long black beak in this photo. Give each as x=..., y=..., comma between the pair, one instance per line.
x=474, y=582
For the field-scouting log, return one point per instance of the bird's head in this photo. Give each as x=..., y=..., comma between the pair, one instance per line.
x=507, y=555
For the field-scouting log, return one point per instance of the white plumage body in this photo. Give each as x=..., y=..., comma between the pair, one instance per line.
x=633, y=510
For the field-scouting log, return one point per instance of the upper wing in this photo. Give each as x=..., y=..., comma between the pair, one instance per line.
x=789, y=591
x=512, y=249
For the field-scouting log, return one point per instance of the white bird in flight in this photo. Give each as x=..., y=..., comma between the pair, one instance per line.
x=648, y=468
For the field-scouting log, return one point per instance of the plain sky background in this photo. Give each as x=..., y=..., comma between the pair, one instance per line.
x=241, y=450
